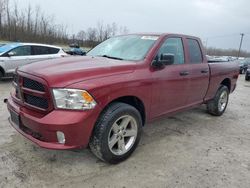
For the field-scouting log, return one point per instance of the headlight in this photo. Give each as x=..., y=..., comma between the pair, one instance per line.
x=74, y=99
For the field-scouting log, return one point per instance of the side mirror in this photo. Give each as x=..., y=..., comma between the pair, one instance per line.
x=167, y=59
x=157, y=64
x=11, y=54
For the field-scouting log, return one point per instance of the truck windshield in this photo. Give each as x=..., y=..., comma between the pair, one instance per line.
x=129, y=47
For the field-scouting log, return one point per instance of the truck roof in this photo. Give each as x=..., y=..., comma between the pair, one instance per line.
x=162, y=34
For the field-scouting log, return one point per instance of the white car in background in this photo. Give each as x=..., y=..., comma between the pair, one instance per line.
x=13, y=55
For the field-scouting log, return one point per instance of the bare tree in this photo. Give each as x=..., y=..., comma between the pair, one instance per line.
x=114, y=29
x=29, y=19
x=32, y=25
x=81, y=36
x=2, y=11
x=105, y=31
x=124, y=30
x=100, y=31
x=29, y=25
x=38, y=10
x=91, y=36
x=15, y=22
x=226, y=52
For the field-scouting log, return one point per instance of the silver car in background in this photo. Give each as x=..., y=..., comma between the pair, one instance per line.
x=13, y=55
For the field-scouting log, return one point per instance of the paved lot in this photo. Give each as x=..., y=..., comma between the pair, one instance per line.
x=191, y=149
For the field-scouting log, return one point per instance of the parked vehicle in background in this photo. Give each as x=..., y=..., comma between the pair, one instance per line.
x=13, y=55
x=247, y=76
x=220, y=58
x=214, y=59
x=103, y=100
x=75, y=50
x=243, y=65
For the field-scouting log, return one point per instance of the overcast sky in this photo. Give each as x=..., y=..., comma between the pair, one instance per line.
x=218, y=22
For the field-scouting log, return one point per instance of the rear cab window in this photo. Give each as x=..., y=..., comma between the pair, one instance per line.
x=195, y=54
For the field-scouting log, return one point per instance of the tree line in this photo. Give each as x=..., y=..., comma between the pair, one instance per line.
x=29, y=25
x=94, y=35
x=226, y=52
x=33, y=25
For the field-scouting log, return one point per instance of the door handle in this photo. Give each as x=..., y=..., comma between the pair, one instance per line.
x=184, y=73
x=204, y=71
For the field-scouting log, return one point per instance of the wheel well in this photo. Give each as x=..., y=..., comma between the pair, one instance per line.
x=135, y=102
x=227, y=83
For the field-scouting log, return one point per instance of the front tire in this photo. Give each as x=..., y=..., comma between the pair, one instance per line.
x=218, y=105
x=117, y=133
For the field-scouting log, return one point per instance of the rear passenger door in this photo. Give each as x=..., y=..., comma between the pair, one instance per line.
x=40, y=53
x=198, y=72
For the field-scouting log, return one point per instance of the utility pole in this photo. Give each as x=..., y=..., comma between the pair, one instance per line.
x=242, y=35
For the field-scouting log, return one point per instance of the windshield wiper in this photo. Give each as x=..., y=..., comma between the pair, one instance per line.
x=107, y=56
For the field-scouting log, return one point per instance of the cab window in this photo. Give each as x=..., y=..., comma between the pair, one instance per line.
x=173, y=46
x=195, y=54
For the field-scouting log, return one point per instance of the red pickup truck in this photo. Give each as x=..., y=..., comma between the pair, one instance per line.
x=104, y=99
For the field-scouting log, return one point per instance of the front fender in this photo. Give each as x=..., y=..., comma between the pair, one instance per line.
x=108, y=89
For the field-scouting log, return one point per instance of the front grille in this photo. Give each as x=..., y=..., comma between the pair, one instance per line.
x=31, y=92
x=32, y=84
x=36, y=101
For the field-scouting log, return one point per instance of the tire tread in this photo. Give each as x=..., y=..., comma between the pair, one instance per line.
x=95, y=143
x=212, y=106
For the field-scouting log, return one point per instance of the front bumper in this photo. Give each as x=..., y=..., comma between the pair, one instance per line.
x=76, y=125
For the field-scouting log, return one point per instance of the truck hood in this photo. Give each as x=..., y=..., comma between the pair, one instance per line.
x=69, y=70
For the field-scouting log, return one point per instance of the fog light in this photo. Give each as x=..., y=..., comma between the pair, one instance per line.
x=60, y=137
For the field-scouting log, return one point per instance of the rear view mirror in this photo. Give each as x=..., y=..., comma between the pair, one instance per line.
x=167, y=59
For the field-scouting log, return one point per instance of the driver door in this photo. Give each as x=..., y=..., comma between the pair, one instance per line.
x=170, y=83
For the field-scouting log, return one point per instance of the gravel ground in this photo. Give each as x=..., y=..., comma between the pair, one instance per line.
x=191, y=149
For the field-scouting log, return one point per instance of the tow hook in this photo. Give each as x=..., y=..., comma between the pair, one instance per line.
x=5, y=100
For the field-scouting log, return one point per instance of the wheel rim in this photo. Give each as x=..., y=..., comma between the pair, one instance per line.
x=122, y=135
x=223, y=101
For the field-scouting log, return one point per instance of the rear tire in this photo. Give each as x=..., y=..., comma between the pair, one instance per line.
x=117, y=133
x=218, y=105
